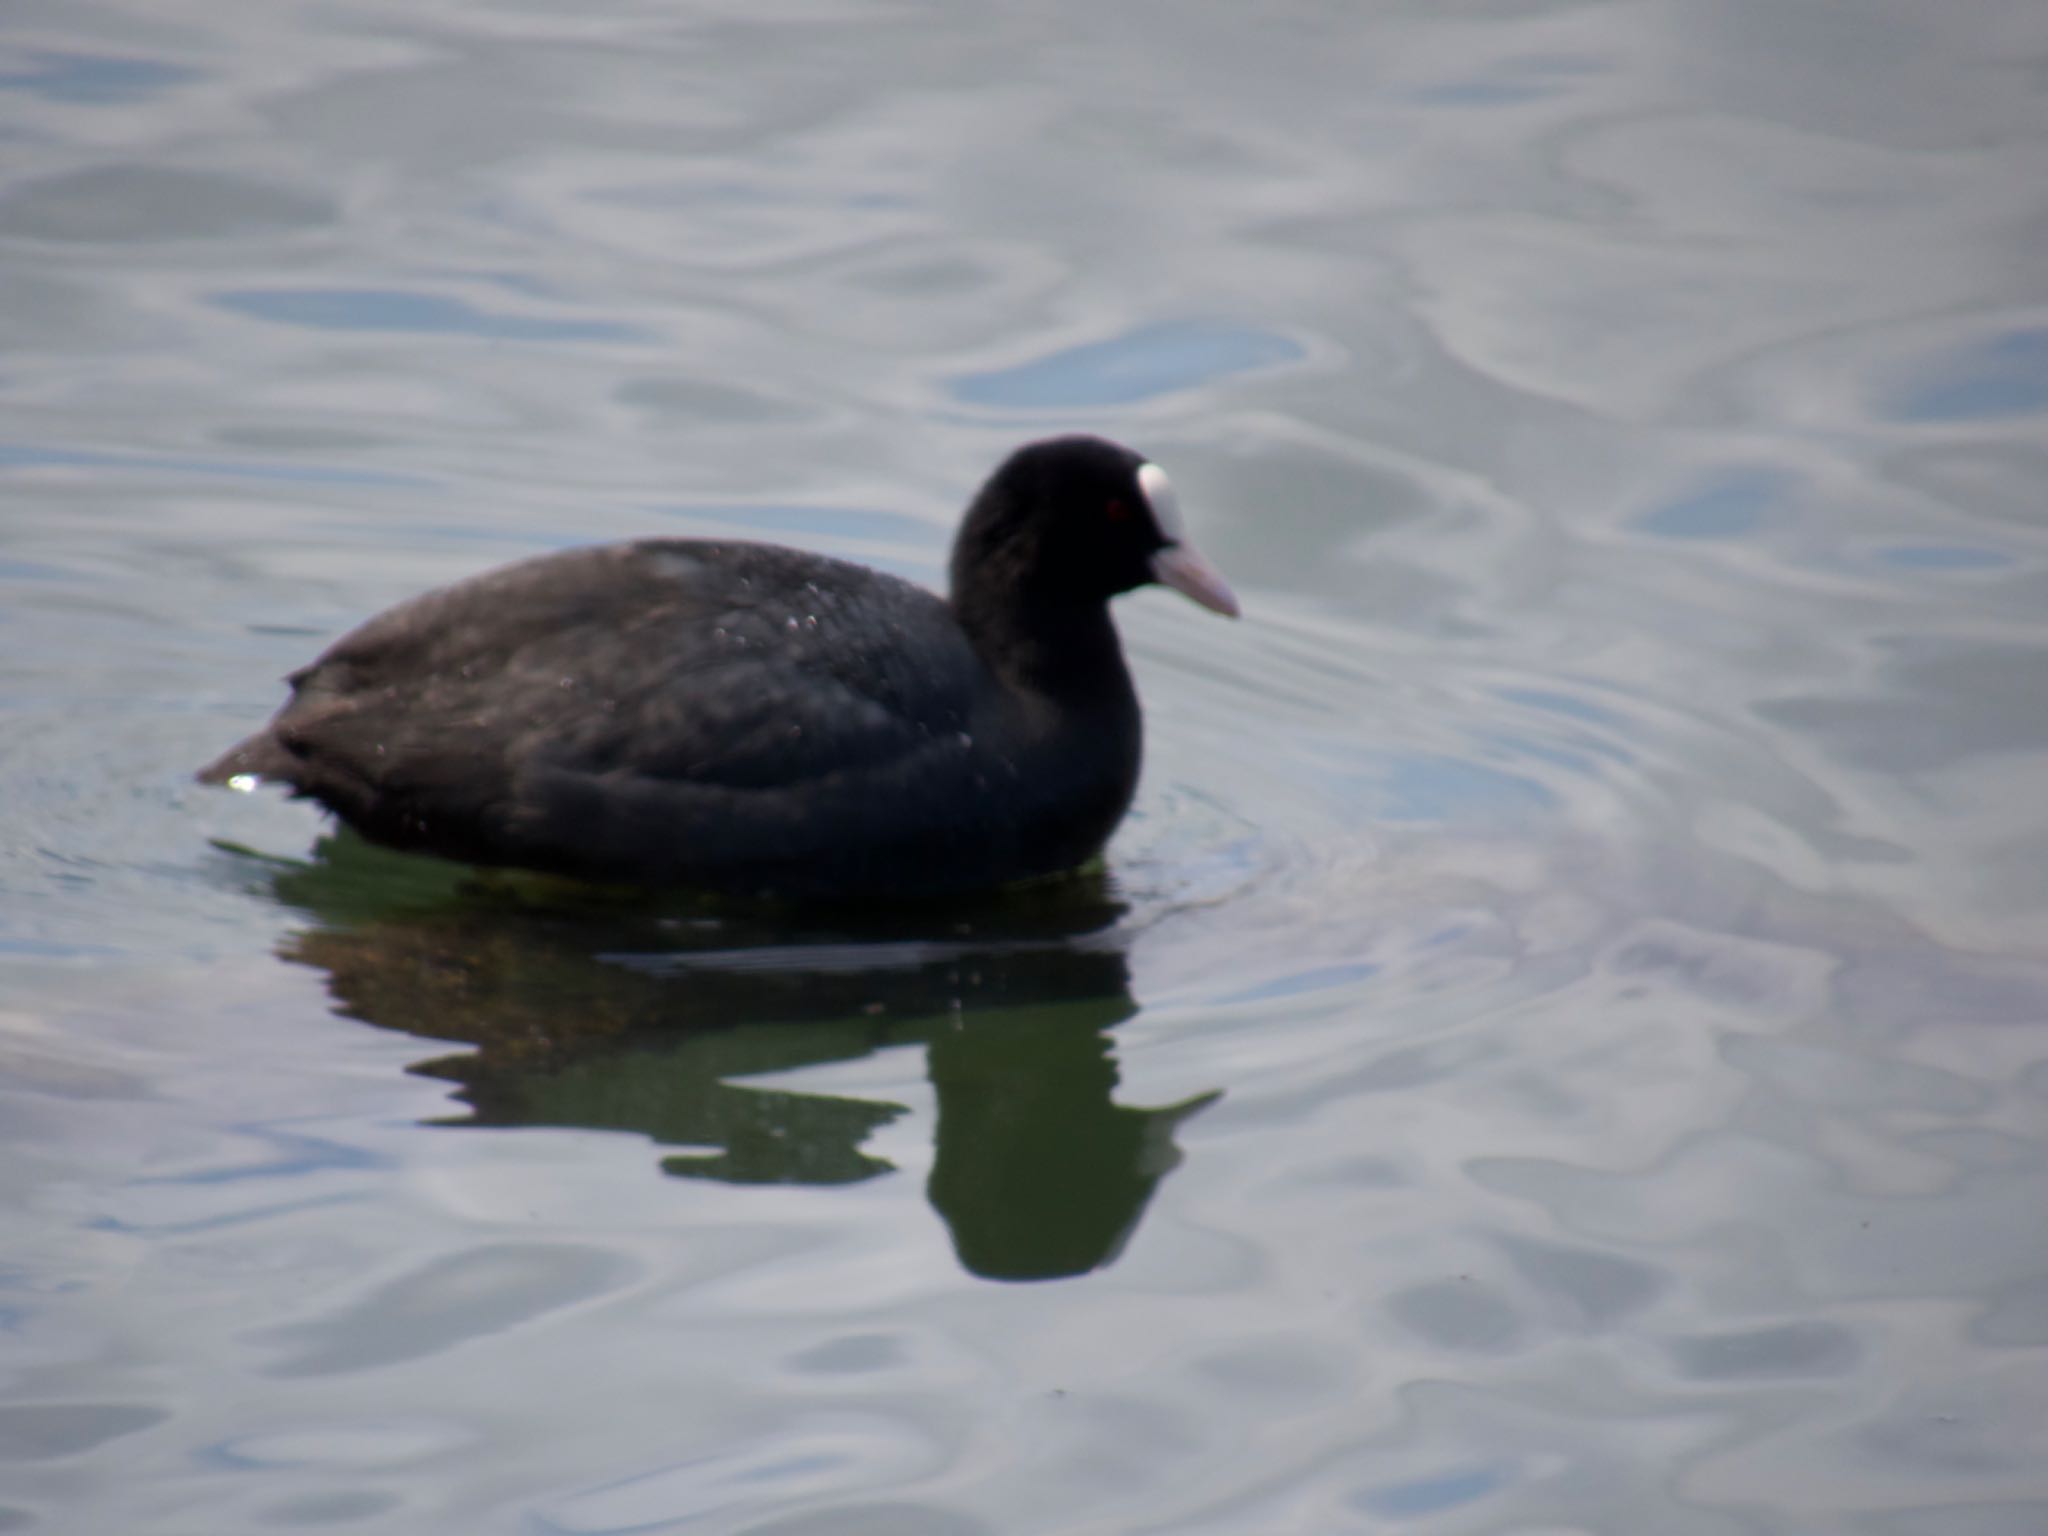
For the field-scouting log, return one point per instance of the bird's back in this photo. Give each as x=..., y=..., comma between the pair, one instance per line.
x=730, y=715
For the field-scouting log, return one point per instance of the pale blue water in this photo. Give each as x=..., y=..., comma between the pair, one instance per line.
x=1561, y=1046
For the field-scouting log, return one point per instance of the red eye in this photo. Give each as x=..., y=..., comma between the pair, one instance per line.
x=1116, y=511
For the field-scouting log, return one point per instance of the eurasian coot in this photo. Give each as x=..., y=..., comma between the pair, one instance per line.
x=758, y=720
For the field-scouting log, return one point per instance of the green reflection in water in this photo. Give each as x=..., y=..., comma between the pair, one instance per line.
x=588, y=1010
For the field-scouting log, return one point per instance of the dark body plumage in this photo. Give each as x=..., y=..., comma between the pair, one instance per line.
x=754, y=719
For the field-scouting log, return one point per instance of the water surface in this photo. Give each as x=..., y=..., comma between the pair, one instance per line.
x=1562, y=1042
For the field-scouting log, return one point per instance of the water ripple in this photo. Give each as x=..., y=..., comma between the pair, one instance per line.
x=1150, y=361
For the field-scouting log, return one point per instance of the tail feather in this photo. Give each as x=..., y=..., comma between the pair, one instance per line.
x=262, y=755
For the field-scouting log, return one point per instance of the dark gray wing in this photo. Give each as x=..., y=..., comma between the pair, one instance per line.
x=665, y=707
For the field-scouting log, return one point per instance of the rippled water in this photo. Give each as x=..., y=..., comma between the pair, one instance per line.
x=1561, y=1046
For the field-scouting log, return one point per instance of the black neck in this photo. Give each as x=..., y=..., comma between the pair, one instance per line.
x=1026, y=616
x=1067, y=649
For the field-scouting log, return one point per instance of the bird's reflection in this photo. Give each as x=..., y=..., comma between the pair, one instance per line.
x=587, y=1013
